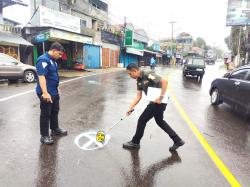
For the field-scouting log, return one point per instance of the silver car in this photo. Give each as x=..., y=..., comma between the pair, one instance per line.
x=12, y=69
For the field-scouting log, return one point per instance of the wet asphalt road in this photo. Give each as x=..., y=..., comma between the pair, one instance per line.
x=97, y=102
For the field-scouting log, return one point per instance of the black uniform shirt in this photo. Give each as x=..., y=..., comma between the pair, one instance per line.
x=148, y=79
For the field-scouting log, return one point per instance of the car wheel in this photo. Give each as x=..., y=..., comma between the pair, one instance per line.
x=215, y=97
x=29, y=76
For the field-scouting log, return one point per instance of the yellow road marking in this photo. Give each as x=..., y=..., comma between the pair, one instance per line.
x=218, y=162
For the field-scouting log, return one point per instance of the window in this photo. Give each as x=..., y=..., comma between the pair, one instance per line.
x=83, y=23
x=248, y=77
x=197, y=61
x=239, y=74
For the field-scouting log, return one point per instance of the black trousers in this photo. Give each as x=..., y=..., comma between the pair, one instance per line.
x=156, y=111
x=49, y=115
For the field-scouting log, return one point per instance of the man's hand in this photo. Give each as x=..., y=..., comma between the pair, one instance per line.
x=59, y=91
x=129, y=111
x=47, y=97
x=158, y=100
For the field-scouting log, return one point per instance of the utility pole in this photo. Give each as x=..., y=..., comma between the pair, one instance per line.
x=124, y=35
x=246, y=43
x=172, y=35
x=238, y=51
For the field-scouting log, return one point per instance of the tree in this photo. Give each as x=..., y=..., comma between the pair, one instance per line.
x=232, y=41
x=200, y=42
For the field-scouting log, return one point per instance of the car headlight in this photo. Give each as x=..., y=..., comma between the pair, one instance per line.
x=199, y=69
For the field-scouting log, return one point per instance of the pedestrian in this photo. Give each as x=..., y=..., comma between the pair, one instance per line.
x=152, y=63
x=48, y=93
x=154, y=109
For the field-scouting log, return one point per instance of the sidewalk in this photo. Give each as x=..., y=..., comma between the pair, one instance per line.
x=63, y=73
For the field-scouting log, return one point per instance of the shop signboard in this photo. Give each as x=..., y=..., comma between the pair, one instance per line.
x=134, y=51
x=42, y=37
x=70, y=36
x=60, y=20
x=128, y=38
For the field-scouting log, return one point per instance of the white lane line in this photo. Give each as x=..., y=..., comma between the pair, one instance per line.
x=33, y=90
x=16, y=95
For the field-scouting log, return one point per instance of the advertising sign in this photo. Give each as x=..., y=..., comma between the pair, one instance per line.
x=60, y=20
x=238, y=13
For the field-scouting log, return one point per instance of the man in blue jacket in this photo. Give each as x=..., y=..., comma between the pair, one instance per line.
x=47, y=91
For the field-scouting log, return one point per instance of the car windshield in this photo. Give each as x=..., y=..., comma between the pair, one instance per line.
x=196, y=61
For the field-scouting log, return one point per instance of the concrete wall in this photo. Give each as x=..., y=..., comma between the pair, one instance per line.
x=36, y=3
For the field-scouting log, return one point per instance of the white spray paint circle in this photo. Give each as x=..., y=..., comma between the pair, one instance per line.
x=94, y=82
x=91, y=143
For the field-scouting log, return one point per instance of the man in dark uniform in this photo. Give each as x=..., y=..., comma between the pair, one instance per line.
x=154, y=109
x=48, y=93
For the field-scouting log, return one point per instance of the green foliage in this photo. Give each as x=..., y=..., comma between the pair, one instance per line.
x=232, y=41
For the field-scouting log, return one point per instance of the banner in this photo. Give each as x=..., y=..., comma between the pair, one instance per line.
x=238, y=13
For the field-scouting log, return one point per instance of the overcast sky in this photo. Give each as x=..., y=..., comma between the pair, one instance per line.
x=204, y=18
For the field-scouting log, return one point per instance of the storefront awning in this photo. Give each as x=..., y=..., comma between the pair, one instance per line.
x=11, y=39
x=152, y=52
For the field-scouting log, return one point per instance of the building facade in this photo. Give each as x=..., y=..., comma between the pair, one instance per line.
x=11, y=41
x=76, y=24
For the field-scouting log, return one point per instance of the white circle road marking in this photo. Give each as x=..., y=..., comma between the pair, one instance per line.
x=91, y=144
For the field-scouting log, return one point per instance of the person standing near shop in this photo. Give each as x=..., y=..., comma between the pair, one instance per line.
x=152, y=63
x=154, y=109
x=48, y=93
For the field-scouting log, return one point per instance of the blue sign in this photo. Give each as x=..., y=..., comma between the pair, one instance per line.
x=156, y=47
x=42, y=37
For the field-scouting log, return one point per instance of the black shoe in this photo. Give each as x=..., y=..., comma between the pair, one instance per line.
x=131, y=145
x=58, y=132
x=46, y=140
x=176, y=145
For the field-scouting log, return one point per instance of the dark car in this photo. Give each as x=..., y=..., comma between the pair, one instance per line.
x=194, y=67
x=12, y=69
x=210, y=61
x=233, y=89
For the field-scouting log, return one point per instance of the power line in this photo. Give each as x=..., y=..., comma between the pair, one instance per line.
x=122, y=27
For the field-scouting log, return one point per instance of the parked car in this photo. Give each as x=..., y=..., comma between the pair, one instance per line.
x=233, y=88
x=12, y=69
x=195, y=66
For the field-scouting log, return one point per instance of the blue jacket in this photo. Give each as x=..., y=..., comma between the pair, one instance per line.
x=152, y=61
x=47, y=67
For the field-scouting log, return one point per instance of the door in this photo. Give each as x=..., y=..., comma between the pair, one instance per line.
x=237, y=84
x=105, y=58
x=91, y=56
x=244, y=90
